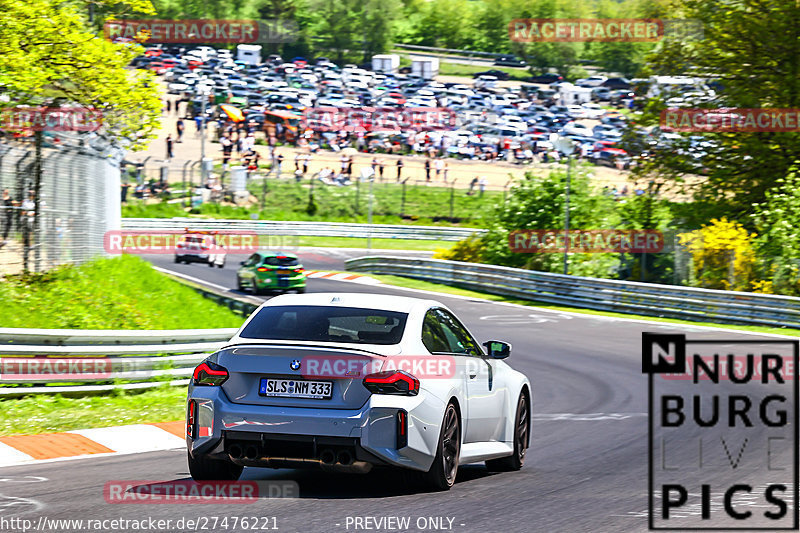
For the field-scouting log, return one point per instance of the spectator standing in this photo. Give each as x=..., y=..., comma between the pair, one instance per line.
x=279, y=163
x=169, y=147
x=472, y=185
x=227, y=148
x=28, y=218
x=198, y=121
x=381, y=164
x=306, y=161
x=250, y=142
x=427, y=169
x=124, y=192
x=482, y=185
x=297, y=158
x=350, y=167
x=439, y=166
x=445, y=171
x=179, y=127
x=8, y=215
x=399, y=168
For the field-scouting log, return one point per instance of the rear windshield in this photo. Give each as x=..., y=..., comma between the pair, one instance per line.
x=327, y=324
x=281, y=261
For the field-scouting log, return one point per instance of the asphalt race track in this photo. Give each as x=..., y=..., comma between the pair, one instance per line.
x=586, y=469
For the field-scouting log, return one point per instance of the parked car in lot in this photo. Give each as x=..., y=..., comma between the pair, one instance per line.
x=617, y=83
x=591, y=81
x=547, y=78
x=600, y=94
x=499, y=74
x=325, y=381
x=510, y=61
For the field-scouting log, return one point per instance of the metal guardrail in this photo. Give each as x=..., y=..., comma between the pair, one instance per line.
x=102, y=357
x=668, y=301
x=311, y=229
x=449, y=50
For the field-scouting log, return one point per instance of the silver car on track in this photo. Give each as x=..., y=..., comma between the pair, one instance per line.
x=350, y=382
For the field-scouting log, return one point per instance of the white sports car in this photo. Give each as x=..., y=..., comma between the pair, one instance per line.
x=348, y=382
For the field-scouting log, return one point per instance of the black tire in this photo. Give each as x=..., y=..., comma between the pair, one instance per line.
x=522, y=428
x=301, y=290
x=177, y=260
x=239, y=286
x=204, y=469
x=221, y=265
x=211, y=264
x=442, y=474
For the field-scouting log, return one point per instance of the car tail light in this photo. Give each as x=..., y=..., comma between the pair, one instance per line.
x=392, y=382
x=402, y=429
x=298, y=270
x=208, y=373
x=190, y=419
x=262, y=269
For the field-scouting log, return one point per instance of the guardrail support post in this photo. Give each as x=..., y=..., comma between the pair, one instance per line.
x=452, y=197
x=403, y=199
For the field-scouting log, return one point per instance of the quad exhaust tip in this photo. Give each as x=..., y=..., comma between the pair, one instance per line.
x=251, y=453
x=235, y=451
x=345, y=458
x=327, y=456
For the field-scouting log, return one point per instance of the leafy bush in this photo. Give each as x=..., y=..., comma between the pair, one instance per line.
x=722, y=256
x=469, y=250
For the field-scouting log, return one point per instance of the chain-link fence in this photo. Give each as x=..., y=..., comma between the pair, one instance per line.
x=78, y=202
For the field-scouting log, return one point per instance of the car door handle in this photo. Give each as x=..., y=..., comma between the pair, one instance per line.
x=473, y=374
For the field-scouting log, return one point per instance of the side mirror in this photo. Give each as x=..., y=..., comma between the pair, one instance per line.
x=497, y=349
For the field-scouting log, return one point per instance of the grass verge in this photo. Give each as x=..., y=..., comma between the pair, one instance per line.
x=48, y=414
x=446, y=289
x=289, y=200
x=385, y=244
x=120, y=293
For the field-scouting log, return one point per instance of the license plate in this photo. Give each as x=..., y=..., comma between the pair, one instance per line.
x=284, y=272
x=296, y=388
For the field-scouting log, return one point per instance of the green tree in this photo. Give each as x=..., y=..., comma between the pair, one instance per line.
x=538, y=203
x=753, y=49
x=778, y=222
x=47, y=53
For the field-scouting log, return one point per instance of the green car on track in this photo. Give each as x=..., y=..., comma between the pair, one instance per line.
x=271, y=271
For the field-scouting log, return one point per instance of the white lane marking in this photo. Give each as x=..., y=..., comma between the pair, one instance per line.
x=11, y=456
x=135, y=438
x=585, y=417
x=191, y=278
x=531, y=318
x=12, y=505
x=23, y=479
x=318, y=275
x=34, y=462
